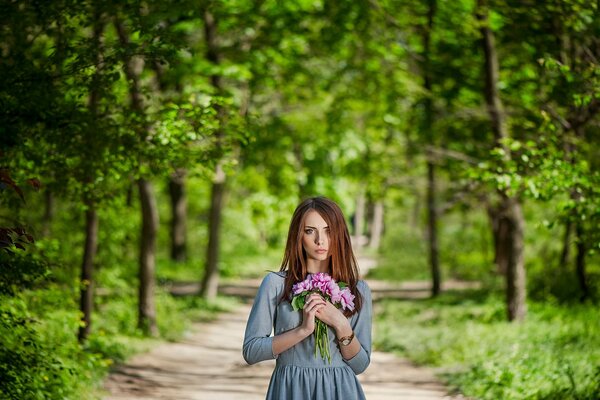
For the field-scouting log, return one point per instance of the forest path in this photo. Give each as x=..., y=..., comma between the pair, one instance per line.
x=208, y=363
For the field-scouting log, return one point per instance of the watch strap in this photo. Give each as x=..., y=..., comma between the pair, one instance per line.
x=346, y=340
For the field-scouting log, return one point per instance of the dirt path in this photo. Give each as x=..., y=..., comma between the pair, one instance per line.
x=208, y=365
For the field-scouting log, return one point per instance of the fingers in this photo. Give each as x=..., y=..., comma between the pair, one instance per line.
x=313, y=304
x=314, y=297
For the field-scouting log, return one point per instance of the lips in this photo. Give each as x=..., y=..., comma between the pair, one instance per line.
x=321, y=251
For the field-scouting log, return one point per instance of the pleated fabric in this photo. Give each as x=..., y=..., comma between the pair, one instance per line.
x=291, y=382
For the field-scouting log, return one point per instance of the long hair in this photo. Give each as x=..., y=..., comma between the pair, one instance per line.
x=342, y=263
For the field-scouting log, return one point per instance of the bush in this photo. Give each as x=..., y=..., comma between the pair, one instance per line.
x=42, y=359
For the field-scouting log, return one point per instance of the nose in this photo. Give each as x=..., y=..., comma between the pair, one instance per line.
x=318, y=239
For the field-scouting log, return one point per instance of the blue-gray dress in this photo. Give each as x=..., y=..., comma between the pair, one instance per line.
x=298, y=374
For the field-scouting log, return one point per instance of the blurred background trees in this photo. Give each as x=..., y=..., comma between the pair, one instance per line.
x=173, y=140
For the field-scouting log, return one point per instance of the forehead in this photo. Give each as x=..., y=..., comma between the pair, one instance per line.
x=314, y=219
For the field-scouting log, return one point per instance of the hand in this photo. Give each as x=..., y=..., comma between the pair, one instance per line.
x=332, y=316
x=313, y=304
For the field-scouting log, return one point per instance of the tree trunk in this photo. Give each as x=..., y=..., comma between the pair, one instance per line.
x=86, y=300
x=580, y=262
x=432, y=212
x=178, y=216
x=376, y=225
x=566, y=251
x=510, y=206
x=432, y=218
x=500, y=234
x=515, y=271
x=146, y=306
x=210, y=282
x=86, y=303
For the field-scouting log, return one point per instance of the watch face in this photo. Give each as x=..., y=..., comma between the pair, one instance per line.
x=346, y=342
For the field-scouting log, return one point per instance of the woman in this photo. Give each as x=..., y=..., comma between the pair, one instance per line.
x=318, y=241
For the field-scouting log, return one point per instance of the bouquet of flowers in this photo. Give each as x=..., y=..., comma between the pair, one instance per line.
x=337, y=293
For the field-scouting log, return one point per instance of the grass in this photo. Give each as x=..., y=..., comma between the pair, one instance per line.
x=554, y=354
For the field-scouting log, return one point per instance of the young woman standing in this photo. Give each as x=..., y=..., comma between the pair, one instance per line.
x=318, y=241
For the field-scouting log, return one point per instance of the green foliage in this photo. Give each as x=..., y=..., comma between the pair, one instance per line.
x=553, y=355
x=20, y=271
x=40, y=358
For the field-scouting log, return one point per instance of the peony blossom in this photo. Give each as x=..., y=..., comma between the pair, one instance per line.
x=347, y=299
x=305, y=285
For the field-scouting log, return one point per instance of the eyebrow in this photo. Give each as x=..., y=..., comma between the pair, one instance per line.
x=308, y=226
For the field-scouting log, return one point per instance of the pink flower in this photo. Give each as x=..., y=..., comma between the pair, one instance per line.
x=305, y=285
x=347, y=299
x=320, y=282
x=334, y=292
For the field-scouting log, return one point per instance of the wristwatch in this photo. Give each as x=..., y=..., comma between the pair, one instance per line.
x=346, y=340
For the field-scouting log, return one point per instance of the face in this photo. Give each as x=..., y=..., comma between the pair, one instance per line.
x=315, y=238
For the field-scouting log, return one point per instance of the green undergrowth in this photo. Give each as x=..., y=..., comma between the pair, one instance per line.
x=554, y=354
x=40, y=357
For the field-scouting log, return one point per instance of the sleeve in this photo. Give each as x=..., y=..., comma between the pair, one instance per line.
x=362, y=330
x=258, y=342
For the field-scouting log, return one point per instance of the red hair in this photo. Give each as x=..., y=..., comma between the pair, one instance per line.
x=342, y=263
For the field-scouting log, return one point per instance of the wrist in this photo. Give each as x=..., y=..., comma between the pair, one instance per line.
x=343, y=328
x=303, y=332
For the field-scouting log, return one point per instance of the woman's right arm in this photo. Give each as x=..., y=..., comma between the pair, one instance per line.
x=289, y=339
x=259, y=345
x=257, y=339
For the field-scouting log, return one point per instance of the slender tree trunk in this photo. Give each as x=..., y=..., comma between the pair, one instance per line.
x=500, y=233
x=147, y=313
x=515, y=272
x=510, y=206
x=178, y=216
x=376, y=225
x=580, y=262
x=432, y=212
x=86, y=302
x=147, y=260
x=580, y=269
x=566, y=250
x=129, y=194
x=210, y=281
x=432, y=218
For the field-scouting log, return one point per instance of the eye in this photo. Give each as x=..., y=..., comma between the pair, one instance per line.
x=308, y=231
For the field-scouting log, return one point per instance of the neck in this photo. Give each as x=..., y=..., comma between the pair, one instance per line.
x=316, y=266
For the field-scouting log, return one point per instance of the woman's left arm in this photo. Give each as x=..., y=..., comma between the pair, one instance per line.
x=358, y=353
